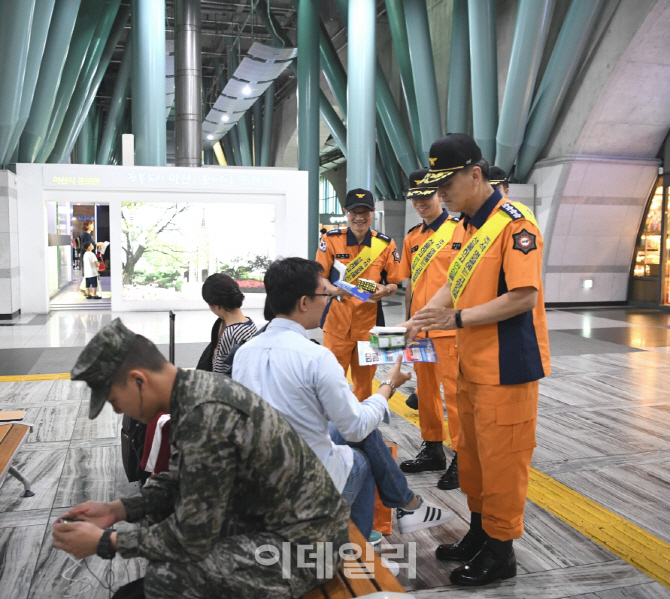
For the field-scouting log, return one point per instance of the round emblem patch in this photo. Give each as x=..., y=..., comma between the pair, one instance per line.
x=524, y=241
x=322, y=245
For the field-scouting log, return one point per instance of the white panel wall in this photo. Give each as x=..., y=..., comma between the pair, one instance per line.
x=590, y=210
x=9, y=247
x=76, y=183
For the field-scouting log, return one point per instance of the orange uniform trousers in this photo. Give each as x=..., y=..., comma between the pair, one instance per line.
x=494, y=452
x=429, y=376
x=346, y=352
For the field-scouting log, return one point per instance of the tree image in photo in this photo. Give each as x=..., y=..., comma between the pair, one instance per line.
x=144, y=234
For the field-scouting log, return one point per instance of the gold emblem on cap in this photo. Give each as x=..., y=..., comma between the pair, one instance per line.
x=417, y=181
x=432, y=161
x=360, y=195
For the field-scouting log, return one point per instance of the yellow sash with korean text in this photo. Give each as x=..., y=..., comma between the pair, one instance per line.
x=365, y=258
x=430, y=248
x=469, y=257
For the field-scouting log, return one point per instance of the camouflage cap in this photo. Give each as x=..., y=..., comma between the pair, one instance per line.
x=99, y=361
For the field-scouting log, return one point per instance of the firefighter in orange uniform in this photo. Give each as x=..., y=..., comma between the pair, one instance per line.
x=350, y=254
x=493, y=299
x=425, y=262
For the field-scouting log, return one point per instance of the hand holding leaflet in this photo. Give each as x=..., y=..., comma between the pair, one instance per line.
x=422, y=350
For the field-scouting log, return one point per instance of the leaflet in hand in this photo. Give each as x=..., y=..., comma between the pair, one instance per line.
x=352, y=290
x=421, y=350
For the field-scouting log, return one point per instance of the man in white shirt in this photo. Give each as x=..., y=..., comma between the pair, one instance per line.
x=306, y=384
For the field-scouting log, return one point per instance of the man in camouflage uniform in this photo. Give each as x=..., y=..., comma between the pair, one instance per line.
x=242, y=484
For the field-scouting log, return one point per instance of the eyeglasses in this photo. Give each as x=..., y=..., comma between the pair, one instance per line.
x=320, y=295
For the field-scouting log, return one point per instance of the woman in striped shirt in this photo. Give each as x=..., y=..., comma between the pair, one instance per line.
x=224, y=298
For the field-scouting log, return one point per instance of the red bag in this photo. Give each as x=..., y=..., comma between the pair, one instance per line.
x=101, y=260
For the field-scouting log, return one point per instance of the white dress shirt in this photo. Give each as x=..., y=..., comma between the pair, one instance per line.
x=305, y=382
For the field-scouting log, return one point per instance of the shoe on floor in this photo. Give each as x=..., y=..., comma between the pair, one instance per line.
x=464, y=550
x=431, y=457
x=97, y=297
x=412, y=401
x=375, y=538
x=89, y=297
x=426, y=515
x=449, y=480
x=486, y=567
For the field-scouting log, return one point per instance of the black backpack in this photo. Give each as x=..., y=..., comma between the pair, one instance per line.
x=133, y=433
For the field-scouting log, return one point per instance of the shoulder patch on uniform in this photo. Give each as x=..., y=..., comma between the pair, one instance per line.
x=334, y=232
x=396, y=255
x=415, y=227
x=513, y=213
x=323, y=246
x=383, y=237
x=524, y=241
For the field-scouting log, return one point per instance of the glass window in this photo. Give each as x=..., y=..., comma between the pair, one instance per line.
x=648, y=250
x=328, y=202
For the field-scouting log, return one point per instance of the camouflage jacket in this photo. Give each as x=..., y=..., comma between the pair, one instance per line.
x=236, y=468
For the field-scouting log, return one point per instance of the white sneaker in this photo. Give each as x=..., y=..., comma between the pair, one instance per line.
x=425, y=516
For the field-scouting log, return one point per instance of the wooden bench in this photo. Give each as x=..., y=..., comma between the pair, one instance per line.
x=12, y=436
x=364, y=582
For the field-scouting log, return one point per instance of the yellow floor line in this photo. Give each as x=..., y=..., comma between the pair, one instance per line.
x=62, y=376
x=624, y=539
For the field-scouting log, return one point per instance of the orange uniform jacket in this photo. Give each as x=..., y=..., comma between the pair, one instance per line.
x=435, y=275
x=352, y=318
x=515, y=350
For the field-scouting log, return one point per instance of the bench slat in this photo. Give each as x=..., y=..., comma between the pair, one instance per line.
x=383, y=577
x=4, y=429
x=16, y=415
x=10, y=442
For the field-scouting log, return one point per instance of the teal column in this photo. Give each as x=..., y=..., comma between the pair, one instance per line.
x=396, y=16
x=83, y=142
x=227, y=145
x=208, y=157
x=361, y=59
x=566, y=58
x=55, y=53
x=308, y=112
x=258, y=131
x=266, y=145
x=484, y=72
x=530, y=33
x=458, y=94
x=16, y=20
x=390, y=117
x=148, y=81
x=333, y=70
x=117, y=106
x=390, y=165
x=76, y=111
x=105, y=58
x=87, y=19
x=423, y=70
x=234, y=134
x=38, y=40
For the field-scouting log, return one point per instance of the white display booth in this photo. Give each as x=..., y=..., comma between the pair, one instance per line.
x=252, y=205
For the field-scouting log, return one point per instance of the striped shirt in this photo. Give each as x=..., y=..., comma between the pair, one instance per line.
x=235, y=334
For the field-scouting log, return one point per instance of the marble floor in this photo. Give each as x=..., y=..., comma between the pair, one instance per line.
x=603, y=432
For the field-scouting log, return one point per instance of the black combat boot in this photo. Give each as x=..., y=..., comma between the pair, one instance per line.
x=496, y=561
x=449, y=480
x=412, y=401
x=469, y=546
x=431, y=457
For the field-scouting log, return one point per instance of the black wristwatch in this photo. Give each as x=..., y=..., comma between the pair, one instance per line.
x=105, y=549
x=457, y=318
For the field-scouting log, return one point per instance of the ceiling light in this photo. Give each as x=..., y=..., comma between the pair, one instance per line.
x=246, y=90
x=225, y=117
x=210, y=137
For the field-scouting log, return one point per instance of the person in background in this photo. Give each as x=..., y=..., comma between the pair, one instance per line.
x=352, y=253
x=85, y=238
x=224, y=298
x=499, y=180
x=90, y=265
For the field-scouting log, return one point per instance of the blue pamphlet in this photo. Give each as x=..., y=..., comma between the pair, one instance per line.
x=353, y=290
